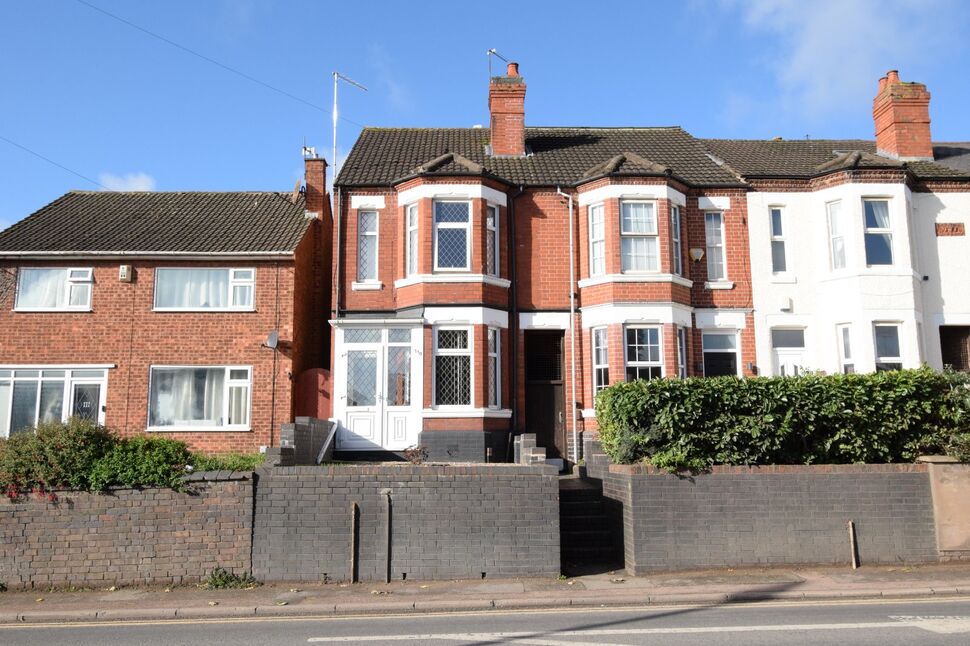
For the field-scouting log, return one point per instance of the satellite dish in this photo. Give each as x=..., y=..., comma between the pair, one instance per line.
x=272, y=339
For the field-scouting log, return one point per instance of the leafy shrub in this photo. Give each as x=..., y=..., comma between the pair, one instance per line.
x=60, y=455
x=228, y=462
x=813, y=419
x=959, y=446
x=142, y=462
x=222, y=579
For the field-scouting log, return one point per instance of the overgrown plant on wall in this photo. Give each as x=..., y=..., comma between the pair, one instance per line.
x=813, y=419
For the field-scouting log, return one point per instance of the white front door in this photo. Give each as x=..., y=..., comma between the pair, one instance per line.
x=377, y=404
x=789, y=362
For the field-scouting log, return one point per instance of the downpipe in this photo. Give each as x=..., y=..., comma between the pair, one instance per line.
x=572, y=326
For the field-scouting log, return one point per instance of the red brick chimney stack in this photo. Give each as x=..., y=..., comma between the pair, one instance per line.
x=901, y=112
x=506, y=103
x=315, y=175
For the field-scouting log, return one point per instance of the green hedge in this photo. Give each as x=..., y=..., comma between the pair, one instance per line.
x=80, y=455
x=813, y=419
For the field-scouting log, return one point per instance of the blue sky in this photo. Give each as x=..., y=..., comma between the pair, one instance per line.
x=127, y=110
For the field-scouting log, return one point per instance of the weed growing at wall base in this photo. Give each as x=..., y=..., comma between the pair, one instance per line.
x=813, y=419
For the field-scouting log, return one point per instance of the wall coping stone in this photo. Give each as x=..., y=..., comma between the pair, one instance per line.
x=937, y=459
x=217, y=476
x=772, y=469
x=396, y=468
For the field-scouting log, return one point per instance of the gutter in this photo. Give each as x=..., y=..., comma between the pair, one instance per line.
x=572, y=326
x=147, y=255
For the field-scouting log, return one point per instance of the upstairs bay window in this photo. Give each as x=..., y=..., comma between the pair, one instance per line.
x=204, y=289
x=879, y=237
x=366, y=246
x=597, y=241
x=676, y=248
x=491, y=241
x=639, y=247
x=199, y=398
x=54, y=289
x=836, y=235
x=452, y=236
x=411, y=251
x=716, y=258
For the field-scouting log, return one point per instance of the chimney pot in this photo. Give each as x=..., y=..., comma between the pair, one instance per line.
x=882, y=84
x=513, y=69
x=893, y=76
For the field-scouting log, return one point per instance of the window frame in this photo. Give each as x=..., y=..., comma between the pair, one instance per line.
x=411, y=253
x=654, y=236
x=230, y=283
x=721, y=245
x=676, y=241
x=736, y=351
x=843, y=338
x=877, y=359
x=778, y=239
x=467, y=226
x=228, y=383
x=659, y=363
x=493, y=350
x=66, y=287
x=492, y=234
x=597, y=268
x=886, y=232
x=69, y=380
x=597, y=367
x=840, y=219
x=468, y=351
x=682, y=352
x=361, y=237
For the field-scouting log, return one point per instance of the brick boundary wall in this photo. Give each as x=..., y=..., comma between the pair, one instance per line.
x=129, y=536
x=447, y=522
x=748, y=516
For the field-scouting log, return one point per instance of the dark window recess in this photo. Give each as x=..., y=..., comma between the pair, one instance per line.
x=719, y=364
x=955, y=345
x=544, y=351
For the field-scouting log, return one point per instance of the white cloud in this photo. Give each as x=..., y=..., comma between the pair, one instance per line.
x=129, y=182
x=829, y=54
x=397, y=94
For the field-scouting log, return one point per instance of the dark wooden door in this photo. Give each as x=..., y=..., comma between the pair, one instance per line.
x=544, y=390
x=955, y=345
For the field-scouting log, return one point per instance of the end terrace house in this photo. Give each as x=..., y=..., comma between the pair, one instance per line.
x=197, y=315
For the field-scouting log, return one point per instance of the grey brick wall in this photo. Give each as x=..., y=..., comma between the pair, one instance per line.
x=737, y=516
x=307, y=436
x=447, y=521
x=127, y=536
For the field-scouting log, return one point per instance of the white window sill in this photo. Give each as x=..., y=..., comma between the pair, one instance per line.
x=463, y=412
x=720, y=284
x=785, y=278
x=370, y=285
x=635, y=278
x=198, y=429
x=61, y=310
x=452, y=278
x=222, y=310
x=589, y=413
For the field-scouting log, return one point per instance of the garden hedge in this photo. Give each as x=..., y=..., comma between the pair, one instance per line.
x=812, y=419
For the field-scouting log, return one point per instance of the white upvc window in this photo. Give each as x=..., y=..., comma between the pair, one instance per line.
x=644, y=358
x=452, y=235
x=879, y=235
x=779, y=260
x=204, y=288
x=52, y=289
x=601, y=362
x=836, y=235
x=411, y=248
x=844, y=337
x=199, y=398
x=677, y=250
x=367, y=225
x=721, y=353
x=492, y=253
x=32, y=395
x=453, y=366
x=682, y=352
x=714, y=236
x=639, y=245
x=597, y=240
x=494, y=368
x=888, y=354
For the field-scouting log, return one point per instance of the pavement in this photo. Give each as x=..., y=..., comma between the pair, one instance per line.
x=600, y=590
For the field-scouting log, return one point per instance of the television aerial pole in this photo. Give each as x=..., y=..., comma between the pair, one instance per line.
x=337, y=76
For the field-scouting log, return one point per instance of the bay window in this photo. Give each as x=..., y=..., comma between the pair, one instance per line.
x=204, y=289
x=411, y=251
x=199, y=398
x=643, y=356
x=597, y=241
x=888, y=356
x=452, y=236
x=676, y=246
x=53, y=289
x=714, y=235
x=844, y=334
x=366, y=246
x=452, y=367
x=836, y=235
x=494, y=369
x=879, y=237
x=682, y=352
x=491, y=241
x=601, y=363
x=639, y=247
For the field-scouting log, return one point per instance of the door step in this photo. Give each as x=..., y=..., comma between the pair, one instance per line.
x=556, y=462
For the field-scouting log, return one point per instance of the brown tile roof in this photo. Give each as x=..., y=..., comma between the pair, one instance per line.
x=164, y=223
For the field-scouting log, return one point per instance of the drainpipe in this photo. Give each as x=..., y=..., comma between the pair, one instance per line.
x=513, y=314
x=336, y=264
x=572, y=327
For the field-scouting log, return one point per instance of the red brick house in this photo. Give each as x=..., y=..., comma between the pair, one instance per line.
x=153, y=311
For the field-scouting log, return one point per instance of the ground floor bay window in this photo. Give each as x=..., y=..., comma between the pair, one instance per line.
x=40, y=394
x=193, y=398
x=644, y=358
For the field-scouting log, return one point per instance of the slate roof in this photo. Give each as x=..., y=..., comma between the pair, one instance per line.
x=163, y=223
x=557, y=156
x=808, y=158
x=955, y=155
